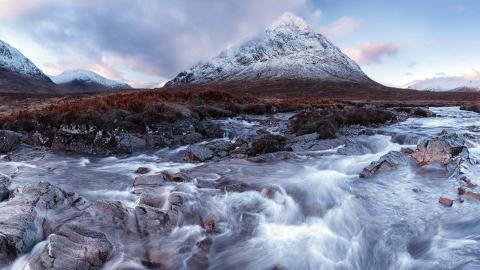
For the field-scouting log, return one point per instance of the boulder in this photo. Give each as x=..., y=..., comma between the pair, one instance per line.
x=20, y=222
x=390, y=161
x=441, y=149
x=198, y=153
x=73, y=247
x=9, y=141
x=268, y=143
x=152, y=221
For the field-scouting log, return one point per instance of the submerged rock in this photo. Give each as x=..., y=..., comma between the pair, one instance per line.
x=4, y=183
x=9, y=141
x=392, y=160
x=268, y=143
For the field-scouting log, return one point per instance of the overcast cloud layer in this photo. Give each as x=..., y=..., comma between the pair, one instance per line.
x=159, y=38
x=145, y=42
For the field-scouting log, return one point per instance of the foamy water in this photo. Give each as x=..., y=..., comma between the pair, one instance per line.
x=309, y=213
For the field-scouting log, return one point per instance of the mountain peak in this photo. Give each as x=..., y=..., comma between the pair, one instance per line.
x=289, y=49
x=290, y=21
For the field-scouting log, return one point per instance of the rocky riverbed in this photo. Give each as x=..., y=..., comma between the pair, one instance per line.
x=317, y=189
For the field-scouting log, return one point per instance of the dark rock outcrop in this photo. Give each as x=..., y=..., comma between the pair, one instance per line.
x=9, y=141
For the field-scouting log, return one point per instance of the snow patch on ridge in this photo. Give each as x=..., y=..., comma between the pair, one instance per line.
x=442, y=84
x=87, y=76
x=13, y=60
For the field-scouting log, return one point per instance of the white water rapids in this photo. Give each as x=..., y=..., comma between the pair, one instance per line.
x=313, y=212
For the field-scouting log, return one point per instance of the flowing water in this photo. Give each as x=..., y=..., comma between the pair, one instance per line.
x=310, y=212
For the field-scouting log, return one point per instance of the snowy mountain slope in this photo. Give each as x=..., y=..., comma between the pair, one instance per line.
x=19, y=75
x=442, y=84
x=13, y=60
x=88, y=80
x=289, y=49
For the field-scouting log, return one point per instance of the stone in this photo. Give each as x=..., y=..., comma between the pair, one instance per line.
x=441, y=149
x=198, y=153
x=73, y=247
x=152, y=199
x=150, y=180
x=142, y=170
x=472, y=195
x=392, y=160
x=9, y=141
x=20, y=222
x=4, y=184
x=445, y=201
x=268, y=143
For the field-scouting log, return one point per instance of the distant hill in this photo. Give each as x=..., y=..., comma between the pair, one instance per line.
x=84, y=81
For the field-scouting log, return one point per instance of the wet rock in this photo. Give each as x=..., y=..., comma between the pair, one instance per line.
x=152, y=199
x=198, y=153
x=208, y=224
x=4, y=184
x=273, y=157
x=192, y=138
x=423, y=112
x=142, y=170
x=20, y=222
x=440, y=149
x=9, y=141
x=73, y=247
x=407, y=150
x=209, y=129
x=390, y=161
x=410, y=138
x=177, y=177
x=152, y=221
x=303, y=142
x=470, y=183
x=108, y=214
x=149, y=180
x=268, y=143
x=239, y=149
x=445, y=201
x=460, y=191
x=472, y=195
x=357, y=146
x=199, y=259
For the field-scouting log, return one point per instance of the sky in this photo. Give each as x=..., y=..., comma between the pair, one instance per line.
x=147, y=42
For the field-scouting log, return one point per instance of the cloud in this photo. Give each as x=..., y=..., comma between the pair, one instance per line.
x=341, y=27
x=472, y=75
x=412, y=64
x=157, y=38
x=371, y=53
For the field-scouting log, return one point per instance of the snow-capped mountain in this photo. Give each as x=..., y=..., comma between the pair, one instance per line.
x=13, y=60
x=85, y=80
x=442, y=84
x=289, y=49
x=19, y=75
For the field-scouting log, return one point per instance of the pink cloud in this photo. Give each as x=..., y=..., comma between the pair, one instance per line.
x=341, y=27
x=371, y=53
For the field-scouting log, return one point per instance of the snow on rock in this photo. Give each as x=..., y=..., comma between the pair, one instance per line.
x=289, y=49
x=452, y=83
x=13, y=60
x=88, y=77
